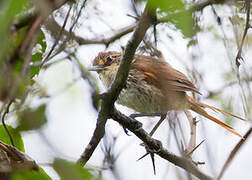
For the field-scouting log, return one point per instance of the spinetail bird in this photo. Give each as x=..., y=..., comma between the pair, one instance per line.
x=153, y=86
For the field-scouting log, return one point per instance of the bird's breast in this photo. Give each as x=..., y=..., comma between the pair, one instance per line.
x=141, y=97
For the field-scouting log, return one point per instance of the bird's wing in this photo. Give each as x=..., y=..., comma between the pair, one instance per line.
x=176, y=80
x=173, y=79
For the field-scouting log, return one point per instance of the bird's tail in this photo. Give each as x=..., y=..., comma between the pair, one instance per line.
x=199, y=108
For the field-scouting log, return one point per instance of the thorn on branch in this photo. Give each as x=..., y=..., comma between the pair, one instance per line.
x=196, y=147
x=152, y=152
x=238, y=59
x=198, y=163
x=156, y=145
x=132, y=16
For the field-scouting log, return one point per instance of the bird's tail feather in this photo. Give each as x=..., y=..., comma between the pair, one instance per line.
x=199, y=108
x=221, y=111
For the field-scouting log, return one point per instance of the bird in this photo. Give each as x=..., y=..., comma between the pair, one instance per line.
x=154, y=86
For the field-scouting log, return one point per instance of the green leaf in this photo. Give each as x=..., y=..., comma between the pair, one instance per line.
x=38, y=56
x=16, y=136
x=40, y=46
x=192, y=42
x=31, y=119
x=177, y=14
x=30, y=175
x=184, y=22
x=8, y=11
x=167, y=5
x=68, y=170
x=42, y=41
x=34, y=70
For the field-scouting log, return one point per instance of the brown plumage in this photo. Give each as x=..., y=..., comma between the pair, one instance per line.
x=153, y=86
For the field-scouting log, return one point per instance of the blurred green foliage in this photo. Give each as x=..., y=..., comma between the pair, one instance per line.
x=30, y=175
x=68, y=170
x=39, y=50
x=8, y=11
x=14, y=78
x=31, y=119
x=176, y=14
x=18, y=141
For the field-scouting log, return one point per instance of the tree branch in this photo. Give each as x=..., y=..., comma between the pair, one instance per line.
x=121, y=32
x=54, y=28
x=136, y=127
x=110, y=97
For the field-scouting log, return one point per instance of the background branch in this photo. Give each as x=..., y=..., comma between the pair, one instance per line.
x=7, y=109
x=234, y=152
x=120, y=32
x=247, y=26
x=192, y=141
x=30, y=15
x=57, y=38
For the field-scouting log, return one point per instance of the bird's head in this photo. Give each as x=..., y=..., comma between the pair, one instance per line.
x=106, y=61
x=106, y=65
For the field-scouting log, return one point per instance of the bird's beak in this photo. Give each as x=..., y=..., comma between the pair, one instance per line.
x=97, y=68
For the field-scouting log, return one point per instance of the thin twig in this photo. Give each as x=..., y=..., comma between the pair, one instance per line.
x=57, y=38
x=3, y=122
x=53, y=27
x=26, y=49
x=154, y=50
x=162, y=118
x=234, y=152
x=196, y=147
x=192, y=142
x=247, y=26
x=70, y=35
x=77, y=18
x=28, y=44
x=133, y=5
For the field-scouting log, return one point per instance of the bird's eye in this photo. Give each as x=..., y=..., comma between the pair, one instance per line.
x=109, y=60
